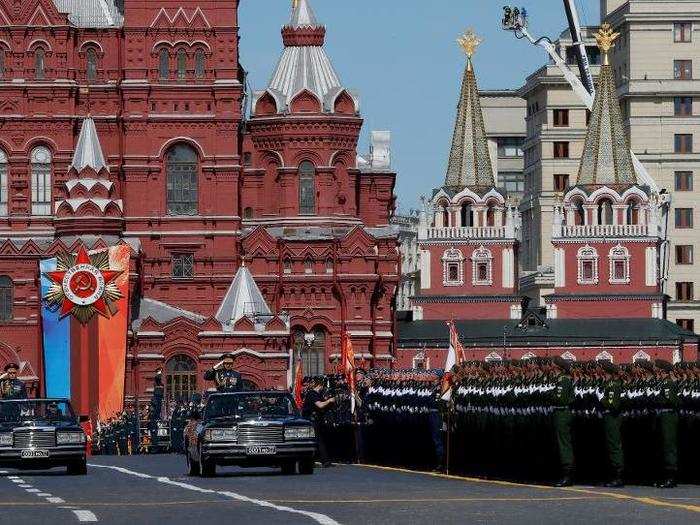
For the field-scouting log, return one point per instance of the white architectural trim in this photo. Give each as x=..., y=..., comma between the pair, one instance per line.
x=604, y=356
x=568, y=356
x=493, y=356
x=559, y=267
x=651, y=273
x=508, y=277
x=452, y=257
x=619, y=253
x=587, y=254
x=425, y=269
x=527, y=356
x=482, y=255
x=641, y=356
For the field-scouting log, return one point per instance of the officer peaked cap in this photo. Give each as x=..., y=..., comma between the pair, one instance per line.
x=608, y=366
x=11, y=365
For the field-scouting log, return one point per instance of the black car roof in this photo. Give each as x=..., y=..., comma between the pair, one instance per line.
x=33, y=399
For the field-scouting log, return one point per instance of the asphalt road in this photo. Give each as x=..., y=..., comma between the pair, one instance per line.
x=154, y=489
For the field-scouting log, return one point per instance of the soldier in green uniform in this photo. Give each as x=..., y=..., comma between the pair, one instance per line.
x=612, y=422
x=562, y=419
x=667, y=419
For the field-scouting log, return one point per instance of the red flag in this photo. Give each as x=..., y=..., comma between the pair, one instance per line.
x=299, y=382
x=348, y=367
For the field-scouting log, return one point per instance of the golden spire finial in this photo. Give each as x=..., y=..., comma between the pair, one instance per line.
x=606, y=40
x=469, y=42
x=295, y=3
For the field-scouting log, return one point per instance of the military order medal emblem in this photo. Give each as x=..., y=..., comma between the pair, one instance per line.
x=83, y=285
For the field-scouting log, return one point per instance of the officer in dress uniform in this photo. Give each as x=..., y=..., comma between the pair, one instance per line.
x=225, y=377
x=10, y=386
x=667, y=418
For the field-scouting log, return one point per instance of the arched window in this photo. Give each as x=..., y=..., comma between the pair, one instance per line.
x=40, y=64
x=605, y=212
x=633, y=208
x=41, y=181
x=452, y=267
x=248, y=213
x=579, y=213
x=312, y=346
x=3, y=183
x=466, y=215
x=180, y=379
x=490, y=216
x=308, y=265
x=287, y=265
x=619, y=257
x=329, y=265
x=182, y=168
x=6, y=298
x=199, y=63
x=307, y=188
x=482, y=267
x=91, y=65
x=164, y=64
x=587, y=265
x=181, y=64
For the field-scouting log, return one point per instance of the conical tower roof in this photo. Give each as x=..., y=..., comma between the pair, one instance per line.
x=304, y=65
x=606, y=158
x=470, y=162
x=242, y=298
x=88, y=151
x=302, y=15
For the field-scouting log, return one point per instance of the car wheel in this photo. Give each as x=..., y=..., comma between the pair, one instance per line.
x=207, y=468
x=289, y=468
x=77, y=468
x=306, y=466
x=192, y=466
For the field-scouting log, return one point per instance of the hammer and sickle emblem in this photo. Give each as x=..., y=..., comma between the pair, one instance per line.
x=83, y=283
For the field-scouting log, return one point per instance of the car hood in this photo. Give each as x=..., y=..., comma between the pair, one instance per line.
x=38, y=423
x=262, y=421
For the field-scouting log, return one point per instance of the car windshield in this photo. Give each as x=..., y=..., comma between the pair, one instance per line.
x=32, y=409
x=242, y=405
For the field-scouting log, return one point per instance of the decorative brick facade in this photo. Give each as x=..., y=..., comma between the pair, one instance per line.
x=200, y=189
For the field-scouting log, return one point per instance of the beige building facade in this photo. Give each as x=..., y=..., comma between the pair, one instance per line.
x=657, y=63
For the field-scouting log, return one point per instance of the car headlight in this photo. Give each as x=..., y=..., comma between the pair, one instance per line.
x=221, y=434
x=70, y=438
x=299, y=433
x=6, y=439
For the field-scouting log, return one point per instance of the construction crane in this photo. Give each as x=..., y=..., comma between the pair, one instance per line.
x=516, y=20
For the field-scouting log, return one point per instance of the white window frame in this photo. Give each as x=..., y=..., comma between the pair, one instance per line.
x=587, y=254
x=41, y=180
x=452, y=256
x=482, y=255
x=619, y=253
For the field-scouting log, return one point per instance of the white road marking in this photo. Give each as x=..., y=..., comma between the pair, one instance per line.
x=55, y=500
x=322, y=519
x=24, y=486
x=16, y=480
x=85, y=515
x=33, y=491
x=43, y=494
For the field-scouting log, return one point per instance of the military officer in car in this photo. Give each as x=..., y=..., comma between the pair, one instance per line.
x=10, y=386
x=226, y=378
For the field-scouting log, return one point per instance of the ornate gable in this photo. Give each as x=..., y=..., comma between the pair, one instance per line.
x=39, y=13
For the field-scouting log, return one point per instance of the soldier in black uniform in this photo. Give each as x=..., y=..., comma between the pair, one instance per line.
x=10, y=386
x=668, y=419
x=225, y=377
x=314, y=409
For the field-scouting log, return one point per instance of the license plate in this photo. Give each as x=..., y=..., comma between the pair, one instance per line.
x=28, y=454
x=261, y=450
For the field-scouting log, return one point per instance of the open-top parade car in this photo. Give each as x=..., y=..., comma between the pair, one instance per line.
x=249, y=429
x=36, y=434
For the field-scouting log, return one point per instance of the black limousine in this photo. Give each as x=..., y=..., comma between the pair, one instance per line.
x=249, y=429
x=37, y=434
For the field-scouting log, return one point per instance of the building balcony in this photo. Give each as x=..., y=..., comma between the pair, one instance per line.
x=478, y=232
x=602, y=230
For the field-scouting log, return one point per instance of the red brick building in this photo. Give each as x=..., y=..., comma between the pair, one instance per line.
x=246, y=234
x=607, y=302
